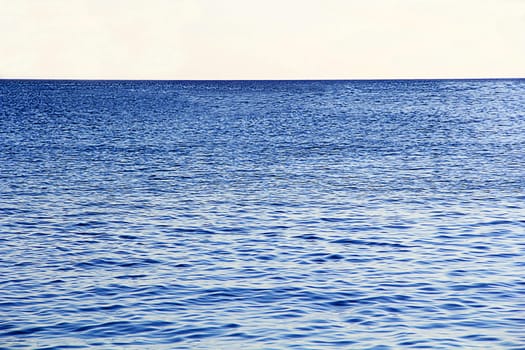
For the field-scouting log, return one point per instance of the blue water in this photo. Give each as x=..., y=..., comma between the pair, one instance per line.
x=262, y=215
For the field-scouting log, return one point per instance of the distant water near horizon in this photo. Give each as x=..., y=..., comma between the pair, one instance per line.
x=262, y=214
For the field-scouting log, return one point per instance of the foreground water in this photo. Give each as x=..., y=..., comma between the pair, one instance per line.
x=264, y=215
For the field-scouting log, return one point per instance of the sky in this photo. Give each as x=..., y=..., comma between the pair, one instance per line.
x=262, y=39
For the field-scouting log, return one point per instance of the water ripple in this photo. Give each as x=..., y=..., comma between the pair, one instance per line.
x=225, y=215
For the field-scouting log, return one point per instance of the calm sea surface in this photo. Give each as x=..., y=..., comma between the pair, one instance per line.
x=262, y=214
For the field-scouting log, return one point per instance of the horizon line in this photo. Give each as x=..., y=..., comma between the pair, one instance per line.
x=259, y=79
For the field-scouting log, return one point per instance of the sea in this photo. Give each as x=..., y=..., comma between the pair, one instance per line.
x=381, y=214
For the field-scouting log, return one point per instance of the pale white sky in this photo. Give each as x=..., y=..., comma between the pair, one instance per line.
x=261, y=39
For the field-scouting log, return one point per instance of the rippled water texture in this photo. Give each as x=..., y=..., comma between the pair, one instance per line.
x=262, y=215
